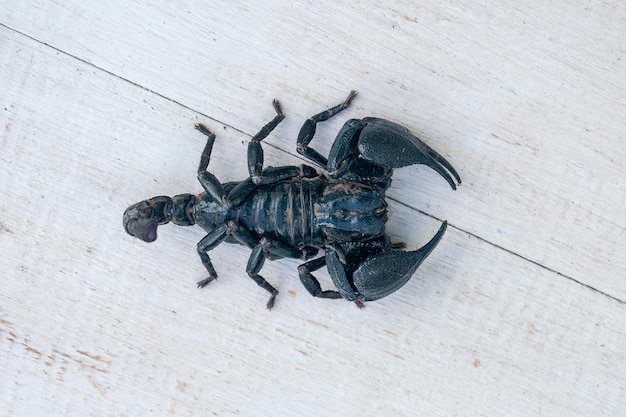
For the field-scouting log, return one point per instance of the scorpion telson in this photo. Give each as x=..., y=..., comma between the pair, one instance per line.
x=294, y=211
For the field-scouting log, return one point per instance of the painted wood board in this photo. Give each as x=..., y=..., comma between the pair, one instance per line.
x=519, y=311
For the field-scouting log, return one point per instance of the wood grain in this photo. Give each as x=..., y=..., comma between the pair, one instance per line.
x=519, y=311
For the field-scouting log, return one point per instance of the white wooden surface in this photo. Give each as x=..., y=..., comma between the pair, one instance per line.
x=519, y=311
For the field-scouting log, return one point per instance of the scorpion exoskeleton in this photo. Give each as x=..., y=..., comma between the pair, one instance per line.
x=294, y=211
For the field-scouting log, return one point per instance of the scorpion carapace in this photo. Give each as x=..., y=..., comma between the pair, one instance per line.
x=294, y=211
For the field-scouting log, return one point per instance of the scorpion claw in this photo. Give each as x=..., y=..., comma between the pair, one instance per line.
x=379, y=275
x=381, y=139
x=396, y=266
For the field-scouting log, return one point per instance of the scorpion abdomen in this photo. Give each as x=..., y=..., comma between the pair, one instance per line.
x=284, y=211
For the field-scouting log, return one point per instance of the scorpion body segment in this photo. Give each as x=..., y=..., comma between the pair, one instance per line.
x=294, y=212
x=284, y=212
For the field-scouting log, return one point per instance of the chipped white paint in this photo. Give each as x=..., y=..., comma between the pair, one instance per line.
x=518, y=310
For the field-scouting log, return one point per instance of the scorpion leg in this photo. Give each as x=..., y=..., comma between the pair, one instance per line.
x=260, y=252
x=209, y=242
x=255, y=152
x=255, y=263
x=267, y=248
x=311, y=283
x=208, y=181
x=307, y=131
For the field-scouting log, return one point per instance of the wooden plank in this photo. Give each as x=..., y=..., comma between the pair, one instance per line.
x=93, y=322
x=526, y=100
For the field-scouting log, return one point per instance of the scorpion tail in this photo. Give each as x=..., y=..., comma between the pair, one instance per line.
x=142, y=219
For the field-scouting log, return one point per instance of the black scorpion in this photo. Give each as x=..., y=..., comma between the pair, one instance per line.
x=294, y=211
